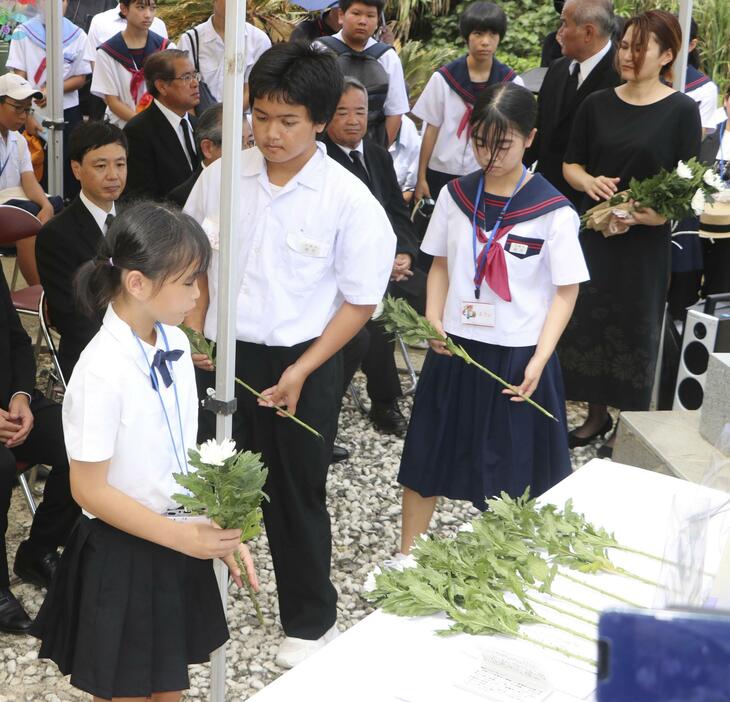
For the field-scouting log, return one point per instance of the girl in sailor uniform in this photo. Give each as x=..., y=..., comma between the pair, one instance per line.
x=135, y=599
x=448, y=99
x=504, y=280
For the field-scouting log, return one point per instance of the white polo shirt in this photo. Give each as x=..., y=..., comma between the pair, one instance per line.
x=111, y=411
x=105, y=25
x=405, y=151
x=300, y=251
x=396, y=101
x=25, y=55
x=556, y=258
x=111, y=78
x=441, y=107
x=706, y=98
x=212, y=66
x=15, y=157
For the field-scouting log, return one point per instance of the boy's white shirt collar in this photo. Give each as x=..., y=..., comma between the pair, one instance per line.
x=311, y=175
x=12, y=136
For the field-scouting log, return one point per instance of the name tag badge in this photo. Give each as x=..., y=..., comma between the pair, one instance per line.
x=181, y=515
x=478, y=314
x=516, y=248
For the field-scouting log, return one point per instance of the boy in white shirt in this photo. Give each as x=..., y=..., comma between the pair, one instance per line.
x=205, y=45
x=314, y=251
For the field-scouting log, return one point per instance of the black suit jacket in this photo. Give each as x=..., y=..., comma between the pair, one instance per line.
x=64, y=243
x=181, y=193
x=383, y=184
x=156, y=163
x=17, y=365
x=555, y=118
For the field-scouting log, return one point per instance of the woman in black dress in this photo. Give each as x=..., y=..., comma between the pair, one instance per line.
x=609, y=350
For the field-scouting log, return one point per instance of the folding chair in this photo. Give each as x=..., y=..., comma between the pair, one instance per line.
x=46, y=329
x=25, y=485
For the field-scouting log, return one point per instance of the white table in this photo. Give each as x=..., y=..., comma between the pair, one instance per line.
x=385, y=658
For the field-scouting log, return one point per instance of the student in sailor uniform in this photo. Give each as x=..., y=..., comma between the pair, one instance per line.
x=448, y=99
x=118, y=71
x=27, y=58
x=135, y=599
x=314, y=252
x=504, y=280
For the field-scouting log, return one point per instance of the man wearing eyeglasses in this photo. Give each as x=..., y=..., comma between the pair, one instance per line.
x=18, y=184
x=162, y=152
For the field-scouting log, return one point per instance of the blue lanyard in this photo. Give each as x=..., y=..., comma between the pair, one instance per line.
x=156, y=384
x=7, y=158
x=479, y=269
x=722, y=159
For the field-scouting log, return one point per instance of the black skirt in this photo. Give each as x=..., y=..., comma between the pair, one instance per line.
x=466, y=440
x=125, y=617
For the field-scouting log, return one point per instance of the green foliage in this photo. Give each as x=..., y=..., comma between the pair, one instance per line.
x=418, y=60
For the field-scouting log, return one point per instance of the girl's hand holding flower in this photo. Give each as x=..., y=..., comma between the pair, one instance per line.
x=439, y=346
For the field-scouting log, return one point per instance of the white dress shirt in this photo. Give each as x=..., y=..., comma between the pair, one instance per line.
x=176, y=121
x=212, y=65
x=532, y=279
x=15, y=157
x=405, y=151
x=105, y=25
x=585, y=67
x=706, y=98
x=396, y=100
x=111, y=411
x=299, y=253
x=96, y=212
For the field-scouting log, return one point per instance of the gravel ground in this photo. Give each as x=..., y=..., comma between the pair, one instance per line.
x=364, y=501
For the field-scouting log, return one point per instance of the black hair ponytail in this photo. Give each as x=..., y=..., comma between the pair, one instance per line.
x=158, y=240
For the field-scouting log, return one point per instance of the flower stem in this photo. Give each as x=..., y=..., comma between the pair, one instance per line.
x=601, y=590
x=537, y=601
x=566, y=629
x=249, y=589
x=281, y=410
x=557, y=649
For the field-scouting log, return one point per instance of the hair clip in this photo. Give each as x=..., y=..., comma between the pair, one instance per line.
x=110, y=262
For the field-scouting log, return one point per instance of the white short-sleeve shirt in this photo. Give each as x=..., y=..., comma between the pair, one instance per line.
x=532, y=278
x=396, y=101
x=111, y=411
x=25, y=55
x=15, y=156
x=706, y=98
x=212, y=66
x=111, y=78
x=404, y=151
x=299, y=251
x=105, y=25
x=441, y=107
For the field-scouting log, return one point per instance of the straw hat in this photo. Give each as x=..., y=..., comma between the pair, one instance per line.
x=715, y=221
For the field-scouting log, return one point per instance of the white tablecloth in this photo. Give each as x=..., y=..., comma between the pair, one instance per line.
x=385, y=658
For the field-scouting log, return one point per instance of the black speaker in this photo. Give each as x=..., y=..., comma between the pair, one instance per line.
x=706, y=331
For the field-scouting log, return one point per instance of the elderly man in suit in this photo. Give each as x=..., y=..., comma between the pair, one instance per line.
x=347, y=144
x=587, y=65
x=162, y=152
x=98, y=155
x=30, y=431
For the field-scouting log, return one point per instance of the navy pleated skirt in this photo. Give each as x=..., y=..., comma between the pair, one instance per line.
x=125, y=617
x=468, y=441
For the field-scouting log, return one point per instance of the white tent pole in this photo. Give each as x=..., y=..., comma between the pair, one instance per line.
x=234, y=62
x=680, y=65
x=54, y=95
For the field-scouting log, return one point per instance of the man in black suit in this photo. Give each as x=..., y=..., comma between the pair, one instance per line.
x=161, y=139
x=98, y=155
x=30, y=431
x=587, y=65
x=346, y=143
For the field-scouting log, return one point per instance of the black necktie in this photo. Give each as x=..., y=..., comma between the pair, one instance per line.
x=359, y=167
x=571, y=85
x=159, y=364
x=192, y=155
x=108, y=222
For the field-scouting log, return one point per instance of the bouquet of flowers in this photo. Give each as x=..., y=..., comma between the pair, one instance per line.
x=399, y=317
x=199, y=344
x=673, y=194
x=227, y=487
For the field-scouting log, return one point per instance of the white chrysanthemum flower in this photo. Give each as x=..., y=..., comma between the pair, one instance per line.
x=713, y=180
x=370, y=583
x=684, y=171
x=467, y=527
x=698, y=202
x=214, y=454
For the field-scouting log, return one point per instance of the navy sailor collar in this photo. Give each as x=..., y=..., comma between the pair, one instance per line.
x=456, y=75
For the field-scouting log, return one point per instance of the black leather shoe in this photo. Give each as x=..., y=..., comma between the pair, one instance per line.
x=35, y=569
x=576, y=441
x=605, y=451
x=387, y=418
x=339, y=454
x=13, y=619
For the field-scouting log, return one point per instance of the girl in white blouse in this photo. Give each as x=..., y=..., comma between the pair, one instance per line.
x=504, y=280
x=135, y=600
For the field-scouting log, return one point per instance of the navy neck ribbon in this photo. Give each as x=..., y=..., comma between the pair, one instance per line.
x=479, y=269
x=159, y=364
